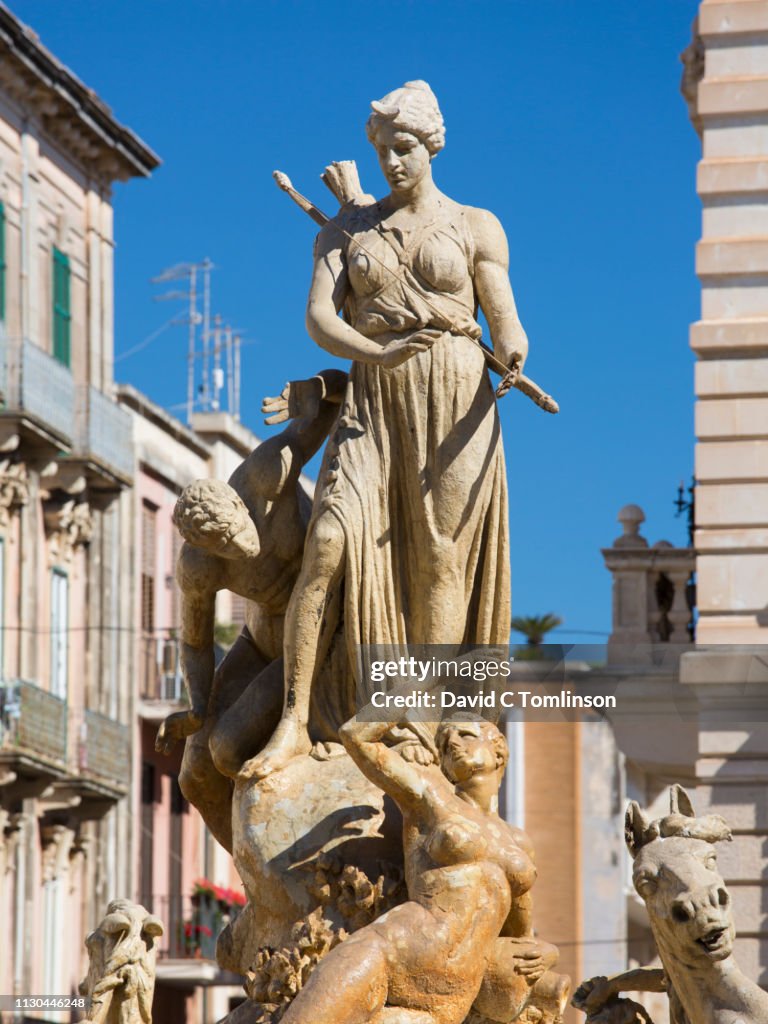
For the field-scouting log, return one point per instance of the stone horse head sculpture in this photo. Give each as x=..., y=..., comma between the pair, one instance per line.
x=675, y=872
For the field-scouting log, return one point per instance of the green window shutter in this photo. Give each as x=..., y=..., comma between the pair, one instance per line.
x=62, y=316
x=2, y=262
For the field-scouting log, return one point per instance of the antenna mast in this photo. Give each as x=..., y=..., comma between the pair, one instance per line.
x=217, y=342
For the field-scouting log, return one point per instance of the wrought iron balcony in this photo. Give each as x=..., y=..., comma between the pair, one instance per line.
x=43, y=738
x=38, y=386
x=103, y=432
x=187, y=949
x=192, y=926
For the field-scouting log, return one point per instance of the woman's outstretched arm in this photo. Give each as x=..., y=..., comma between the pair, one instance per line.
x=403, y=781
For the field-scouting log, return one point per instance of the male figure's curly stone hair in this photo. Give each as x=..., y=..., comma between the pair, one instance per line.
x=209, y=511
x=412, y=108
x=492, y=732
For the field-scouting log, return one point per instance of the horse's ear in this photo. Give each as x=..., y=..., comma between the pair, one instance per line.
x=635, y=828
x=680, y=802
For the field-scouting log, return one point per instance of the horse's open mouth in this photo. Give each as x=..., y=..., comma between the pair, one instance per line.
x=714, y=941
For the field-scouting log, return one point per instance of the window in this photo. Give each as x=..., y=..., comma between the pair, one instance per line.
x=59, y=633
x=2, y=262
x=148, y=798
x=148, y=566
x=61, y=307
x=151, y=651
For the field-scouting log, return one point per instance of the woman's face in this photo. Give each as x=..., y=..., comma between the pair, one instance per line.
x=403, y=157
x=466, y=748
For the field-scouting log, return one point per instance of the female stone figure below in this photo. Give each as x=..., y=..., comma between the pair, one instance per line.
x=408, y=543
x=428, y=961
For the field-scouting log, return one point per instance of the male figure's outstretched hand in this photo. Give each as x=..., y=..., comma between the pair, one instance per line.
x=300, y=399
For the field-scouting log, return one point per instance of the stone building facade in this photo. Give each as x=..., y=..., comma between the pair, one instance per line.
x=694, y=708
x=66, y=466
x=728, y=72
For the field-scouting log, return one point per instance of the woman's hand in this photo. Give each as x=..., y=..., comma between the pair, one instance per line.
x=397, y=352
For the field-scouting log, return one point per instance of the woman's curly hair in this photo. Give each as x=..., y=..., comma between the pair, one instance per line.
x=412, y=108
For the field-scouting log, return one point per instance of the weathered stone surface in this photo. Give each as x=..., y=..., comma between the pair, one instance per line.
x=289, y=825
x=122, y=954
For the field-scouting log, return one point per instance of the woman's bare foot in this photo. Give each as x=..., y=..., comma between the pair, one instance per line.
x=288, y=740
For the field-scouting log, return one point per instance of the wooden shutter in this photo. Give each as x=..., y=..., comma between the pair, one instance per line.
x=61, y=307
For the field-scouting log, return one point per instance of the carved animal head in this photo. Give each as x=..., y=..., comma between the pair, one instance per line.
x=676, y=874
x=122, y=953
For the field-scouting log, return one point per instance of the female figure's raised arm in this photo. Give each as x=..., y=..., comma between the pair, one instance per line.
x=403, y=781
x=494, y=291
x=326, y=297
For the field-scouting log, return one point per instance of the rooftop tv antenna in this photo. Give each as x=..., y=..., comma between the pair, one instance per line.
x=189, y=272
x=226, y=366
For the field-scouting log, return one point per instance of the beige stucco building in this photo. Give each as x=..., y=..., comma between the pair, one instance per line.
x=66, y=464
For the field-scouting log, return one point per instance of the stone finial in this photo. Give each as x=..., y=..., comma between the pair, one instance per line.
x=630, y=517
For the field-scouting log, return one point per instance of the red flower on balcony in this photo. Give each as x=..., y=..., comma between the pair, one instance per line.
x=228, y=899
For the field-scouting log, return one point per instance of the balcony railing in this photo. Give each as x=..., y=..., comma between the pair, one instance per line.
x=192, y=924
x=35, y=383
x=103, y=431
x=103, y=749
x=76, y=742
x=33, y=721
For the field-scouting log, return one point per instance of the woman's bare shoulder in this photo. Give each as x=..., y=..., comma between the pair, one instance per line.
x=486, y=230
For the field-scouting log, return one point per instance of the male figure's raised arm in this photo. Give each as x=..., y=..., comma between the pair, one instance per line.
x=197, y=576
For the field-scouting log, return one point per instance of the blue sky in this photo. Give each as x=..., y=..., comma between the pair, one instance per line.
x=563, y=118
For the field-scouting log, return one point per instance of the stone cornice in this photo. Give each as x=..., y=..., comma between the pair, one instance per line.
x=70, y=112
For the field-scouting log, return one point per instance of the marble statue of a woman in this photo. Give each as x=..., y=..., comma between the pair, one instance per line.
x=408, y=542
